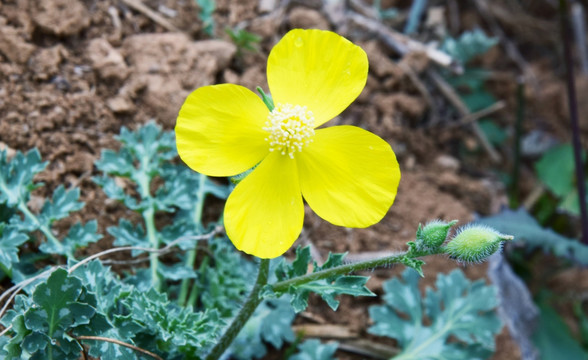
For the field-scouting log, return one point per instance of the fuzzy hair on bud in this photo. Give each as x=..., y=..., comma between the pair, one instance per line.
x=433, y=234
x=475, y=243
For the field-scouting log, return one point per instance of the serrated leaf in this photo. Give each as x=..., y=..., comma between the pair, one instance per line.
x=271, y=323
x=60, y=307
x=525, y=228
x=469, y=45
x=176, y=272
x=10, y=240
x=62, y=203
x=459, y=308
x=16, y=176
x=326, y=288
x=113, y=191
x=313, y=349
x=78, y=236
x=163, y=326
x=127, y=234
x=348, y=285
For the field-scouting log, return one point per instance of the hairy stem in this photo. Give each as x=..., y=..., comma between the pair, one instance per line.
x=573, y=109
x=246, y=311
x=42, y=227
x=143, y=180
x=191, y=256
x=283, y=286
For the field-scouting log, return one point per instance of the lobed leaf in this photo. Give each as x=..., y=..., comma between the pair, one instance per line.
x=459, y=309
x=326, y=288
x=313, y=349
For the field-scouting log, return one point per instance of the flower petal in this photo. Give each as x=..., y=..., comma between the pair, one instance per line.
x=318, y=69
x=348, y=176
x=264, y=214
x=219, y=130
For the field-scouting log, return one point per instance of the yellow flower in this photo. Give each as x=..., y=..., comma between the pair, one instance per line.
x=347, y=175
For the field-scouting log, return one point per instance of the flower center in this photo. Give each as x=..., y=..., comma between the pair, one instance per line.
x=290, y=127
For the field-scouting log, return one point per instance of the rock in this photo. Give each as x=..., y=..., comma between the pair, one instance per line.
x=45, y=63
x=120, y=104
x=60, y=17
x=14, y=46
x=380, y=63
x=171, y=65
x=305, y=18
x=446, y=162
x=106, y=60
x=10, y=152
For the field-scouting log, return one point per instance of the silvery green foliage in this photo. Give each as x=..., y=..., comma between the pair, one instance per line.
x=18, y=223
x=459, y=309
x=525, y=228
x=313, y=349
x=328, y=288
x=271, y=323
x=469, y=45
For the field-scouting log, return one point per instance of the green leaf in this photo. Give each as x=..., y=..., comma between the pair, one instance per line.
x=127, y=234
x=469, y=45
x=313, y=349
x=326, y=288
x=495, y=134
x=459, y=309
x=78, y=236
x=271, y=323
x=525, y=228
x=62, y=203
x=556, y=169
x=16, y=176
x=554, y=339
x=10, y=240
x=162, y=326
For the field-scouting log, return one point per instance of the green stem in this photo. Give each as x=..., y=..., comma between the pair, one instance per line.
x=191, y=256
x=283, y=286
x=267, y=100
x=246, y=311
x=42, y=227
x=143, y=181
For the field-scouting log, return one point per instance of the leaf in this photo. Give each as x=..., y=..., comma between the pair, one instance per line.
x=58, y=308
x=10, y=240
x=469, y=45
x=313, y=349
x=16, y=176
x=556, y=169
x=62, y=203
x=126, y=234
x=495, y=134
x=525, y=228
x=458, y=309
x=161, y=325
x=271, y=323
x=553, y=338
x=326, y=288
x=78, y=236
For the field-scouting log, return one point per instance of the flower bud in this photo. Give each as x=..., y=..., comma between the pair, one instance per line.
x=433, y=234
x=475, y=243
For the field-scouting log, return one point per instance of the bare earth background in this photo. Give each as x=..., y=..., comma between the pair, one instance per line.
x=73, y=72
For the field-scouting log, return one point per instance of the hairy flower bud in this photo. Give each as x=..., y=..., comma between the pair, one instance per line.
x=433, y=234
x=475, y=243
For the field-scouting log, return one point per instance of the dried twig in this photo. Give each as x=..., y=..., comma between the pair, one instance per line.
x=472, y=117
x=118, y=342
x=579, y=24
x=153, y=15
x=402, y=43
x=462, y=108
x=369, y=348
x=421, y=87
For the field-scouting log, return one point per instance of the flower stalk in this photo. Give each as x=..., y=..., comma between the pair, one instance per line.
x=246, y=311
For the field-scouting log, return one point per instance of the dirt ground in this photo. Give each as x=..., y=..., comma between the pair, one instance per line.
x=73, y=72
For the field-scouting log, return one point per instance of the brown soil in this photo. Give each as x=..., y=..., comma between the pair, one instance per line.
x=73, y=72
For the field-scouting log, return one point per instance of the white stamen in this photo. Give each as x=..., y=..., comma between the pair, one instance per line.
x=290, y=127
